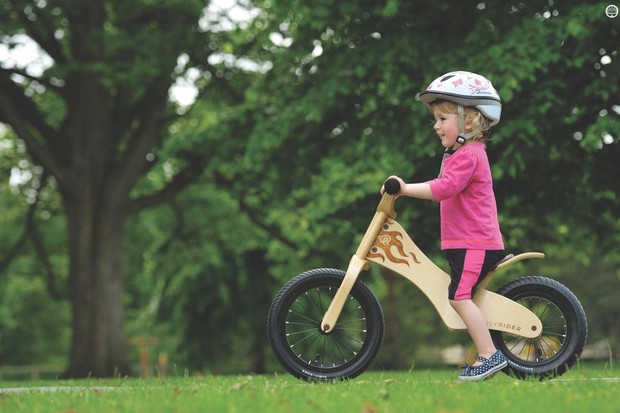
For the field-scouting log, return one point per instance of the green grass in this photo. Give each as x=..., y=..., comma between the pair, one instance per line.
x=584, y=389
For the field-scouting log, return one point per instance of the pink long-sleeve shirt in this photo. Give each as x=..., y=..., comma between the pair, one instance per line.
x=468, y=210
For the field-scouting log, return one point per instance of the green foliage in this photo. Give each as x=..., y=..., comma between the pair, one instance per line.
x=338, y=113
x=295, y=156
x=34, y=320
x=34, y=328
x=209, y=283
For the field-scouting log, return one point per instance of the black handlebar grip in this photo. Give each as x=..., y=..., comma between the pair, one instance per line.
x=392, y=186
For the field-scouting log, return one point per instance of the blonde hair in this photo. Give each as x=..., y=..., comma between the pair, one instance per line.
x=474, y=119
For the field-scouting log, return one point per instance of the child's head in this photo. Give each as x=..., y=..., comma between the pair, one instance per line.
x=471, y=97
x=474, y=120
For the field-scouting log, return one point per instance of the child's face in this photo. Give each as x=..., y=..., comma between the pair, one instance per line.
x=446, y=126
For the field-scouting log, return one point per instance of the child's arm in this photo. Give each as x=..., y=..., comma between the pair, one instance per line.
x=421, y=190
x=418, y=190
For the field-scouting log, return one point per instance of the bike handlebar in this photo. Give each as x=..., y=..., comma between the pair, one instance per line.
x=392, y=186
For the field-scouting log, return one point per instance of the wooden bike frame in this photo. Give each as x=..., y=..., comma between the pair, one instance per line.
x=388, y=244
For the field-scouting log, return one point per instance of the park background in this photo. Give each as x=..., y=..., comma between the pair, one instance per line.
x=167, y=165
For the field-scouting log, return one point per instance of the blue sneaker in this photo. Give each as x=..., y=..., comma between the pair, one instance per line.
x=488, y=368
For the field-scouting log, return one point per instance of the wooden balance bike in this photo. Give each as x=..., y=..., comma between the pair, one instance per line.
x=326, y=324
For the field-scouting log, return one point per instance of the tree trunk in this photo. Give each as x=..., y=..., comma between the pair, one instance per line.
x=99, y=343
x=95, y=144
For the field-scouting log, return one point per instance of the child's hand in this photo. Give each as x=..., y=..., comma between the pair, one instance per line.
x=401, y=183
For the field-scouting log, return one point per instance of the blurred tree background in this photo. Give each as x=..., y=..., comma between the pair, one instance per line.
x=300, y=110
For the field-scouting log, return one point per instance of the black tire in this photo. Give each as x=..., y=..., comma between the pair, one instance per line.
x=564, y=325
x=295, y=335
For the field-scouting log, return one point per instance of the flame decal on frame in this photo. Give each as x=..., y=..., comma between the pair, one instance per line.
x=382, y=248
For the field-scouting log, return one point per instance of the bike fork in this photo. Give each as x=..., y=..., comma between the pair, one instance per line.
x=356, y=265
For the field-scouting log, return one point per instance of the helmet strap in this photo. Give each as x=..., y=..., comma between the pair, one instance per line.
x=463, y=136
x=460, y=140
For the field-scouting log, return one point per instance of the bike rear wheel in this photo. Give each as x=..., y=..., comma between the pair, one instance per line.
x=564, y=329
x=294, y=327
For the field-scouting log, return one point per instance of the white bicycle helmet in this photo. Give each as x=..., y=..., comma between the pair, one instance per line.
x=466, y=89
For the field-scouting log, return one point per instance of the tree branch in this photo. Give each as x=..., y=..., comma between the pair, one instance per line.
x=42, y=32
x=183, y=179
x=24, y=74
x=13, y=253
x=30, y=232
x=38, y=244
x=148, y=115
x=272, y=230
x=27, y=122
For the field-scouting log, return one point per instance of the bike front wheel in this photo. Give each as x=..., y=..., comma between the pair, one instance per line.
x=296, y=337
x=564, y=329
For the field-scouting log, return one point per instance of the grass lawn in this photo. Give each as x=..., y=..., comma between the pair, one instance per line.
x=586, y=388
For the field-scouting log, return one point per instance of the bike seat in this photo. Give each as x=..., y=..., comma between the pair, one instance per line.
x=503, y=260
